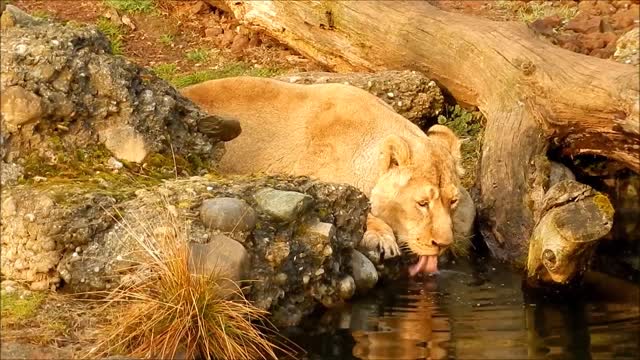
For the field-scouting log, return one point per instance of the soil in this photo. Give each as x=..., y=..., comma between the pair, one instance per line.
x=174, y=29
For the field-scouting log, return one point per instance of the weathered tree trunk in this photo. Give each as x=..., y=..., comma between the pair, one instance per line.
x=531, y=92
x=572, y=217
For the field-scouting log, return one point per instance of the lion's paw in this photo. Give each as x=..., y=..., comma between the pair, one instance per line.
x=382, y=241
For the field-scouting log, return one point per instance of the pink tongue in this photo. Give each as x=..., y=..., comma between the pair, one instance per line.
x=414, y=269
x=426, y=263
x=432, y=264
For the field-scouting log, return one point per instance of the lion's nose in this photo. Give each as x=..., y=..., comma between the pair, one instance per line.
x=435, y=242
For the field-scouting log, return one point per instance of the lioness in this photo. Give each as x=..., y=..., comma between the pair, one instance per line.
x=342, y=134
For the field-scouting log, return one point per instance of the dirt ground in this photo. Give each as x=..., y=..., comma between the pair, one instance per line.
x=177, y=38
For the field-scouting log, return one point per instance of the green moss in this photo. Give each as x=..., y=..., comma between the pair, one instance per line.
x=41, y=14
x=230, y=70
x=323, y=213
x=16, y=308
x=113, y=32
x=603, y=203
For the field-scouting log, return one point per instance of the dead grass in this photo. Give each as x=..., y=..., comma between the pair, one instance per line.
x=169, y=309
x=531, y=11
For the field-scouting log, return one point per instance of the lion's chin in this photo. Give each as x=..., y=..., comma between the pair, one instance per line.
x=426, y=263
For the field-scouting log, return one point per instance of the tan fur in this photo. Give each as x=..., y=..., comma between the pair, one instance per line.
x=339, y=133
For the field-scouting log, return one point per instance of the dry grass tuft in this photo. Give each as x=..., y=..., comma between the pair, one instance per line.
x=168, y=310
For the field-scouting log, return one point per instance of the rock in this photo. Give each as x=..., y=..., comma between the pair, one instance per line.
x=199, y=7
x=222, y=256
x=346, y=287
x=415, y=96
x=254, y=41
x=627, y=48
x=10, y=173
x=57, y=232
x=239, y=44
x=584, y=25
x=228, y=215
x=92, y=96
x=623, y=19
x=114, y=164
x=20, y=106
x=276, y=253
x=318, y=235
x=364, y=273
x=212, y=32
x=546, y=26
x=124, y=142
x=12, y=16
x=282, y=205
x=37, y=233
x=593, y=41
x=227, y=38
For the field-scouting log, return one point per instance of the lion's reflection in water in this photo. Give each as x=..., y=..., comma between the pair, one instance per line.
x=413, y=328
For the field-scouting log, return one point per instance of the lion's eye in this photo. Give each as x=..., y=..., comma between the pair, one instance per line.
x=423, y=203
x=454, y=201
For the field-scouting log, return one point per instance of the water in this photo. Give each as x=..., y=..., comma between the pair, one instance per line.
x=477, y=311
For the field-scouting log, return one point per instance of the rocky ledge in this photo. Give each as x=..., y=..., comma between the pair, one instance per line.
x=292, y=238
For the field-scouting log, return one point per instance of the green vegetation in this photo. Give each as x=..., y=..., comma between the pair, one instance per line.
x=113, y=32
x=169, y=308
x=229, y=70
x=464, y=123
x=468, y=126
x=198, y=55
x=17, y=308
x=41, y=14
x=166, y=39
x=165, y=71
x=132, y=6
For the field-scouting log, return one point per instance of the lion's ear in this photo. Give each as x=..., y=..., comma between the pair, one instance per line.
x=395, y=152
x=450, y=140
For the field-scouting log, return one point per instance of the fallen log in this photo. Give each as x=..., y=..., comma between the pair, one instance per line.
x=533, y=94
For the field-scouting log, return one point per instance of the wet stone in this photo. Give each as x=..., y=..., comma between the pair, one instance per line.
x=227, y=214
x=282, y=205
x=364, y=273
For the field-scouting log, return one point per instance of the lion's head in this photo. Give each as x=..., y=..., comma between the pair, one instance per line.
x=417, y=191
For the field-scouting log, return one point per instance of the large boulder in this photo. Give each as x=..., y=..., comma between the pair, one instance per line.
x=410, y=93
x=64, y=92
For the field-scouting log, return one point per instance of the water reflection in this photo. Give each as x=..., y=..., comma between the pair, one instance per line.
x=476, y=312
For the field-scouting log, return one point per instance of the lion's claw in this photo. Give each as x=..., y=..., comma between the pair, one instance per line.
x=382, y=241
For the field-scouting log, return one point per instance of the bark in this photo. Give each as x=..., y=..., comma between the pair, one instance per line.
x=532, y=93
x=572, y=218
